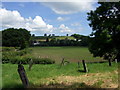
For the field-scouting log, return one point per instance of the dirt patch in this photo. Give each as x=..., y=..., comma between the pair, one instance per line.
x=102, y=80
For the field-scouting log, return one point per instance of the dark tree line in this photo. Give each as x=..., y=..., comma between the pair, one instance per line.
x=53, y=41
x=16, y=38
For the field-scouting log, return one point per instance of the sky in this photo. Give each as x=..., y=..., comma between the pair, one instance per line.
x=59, y=18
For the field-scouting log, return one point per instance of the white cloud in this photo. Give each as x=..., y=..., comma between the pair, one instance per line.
x=37, y=25
x=70, y=7
x=76, y=24
x=65, y=29
x=62, y=18
x=21, y=5
x=14, y=19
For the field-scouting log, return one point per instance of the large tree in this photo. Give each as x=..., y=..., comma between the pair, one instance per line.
x=15, y=37
x=105, y=22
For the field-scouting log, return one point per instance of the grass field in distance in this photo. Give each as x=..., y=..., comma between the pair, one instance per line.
x=72, y=54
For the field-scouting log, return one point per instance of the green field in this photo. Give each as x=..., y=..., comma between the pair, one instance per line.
x=55, y=75
x=63, y=37
x=99, y=75
x=57, y=37
x=72, y=54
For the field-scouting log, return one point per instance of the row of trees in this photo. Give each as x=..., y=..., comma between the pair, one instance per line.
x=79, y=40
x=62, y=42
x=16, y=38
x=22, y=38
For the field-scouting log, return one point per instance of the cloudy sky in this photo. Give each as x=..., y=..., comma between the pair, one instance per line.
x=58, y=18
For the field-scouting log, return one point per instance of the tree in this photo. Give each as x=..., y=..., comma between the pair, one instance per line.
x=106, y=30
x=45, y=35
x=53, y=35
x=47, y=39
x=16, y=37
x=84, y=40
x=76, y=36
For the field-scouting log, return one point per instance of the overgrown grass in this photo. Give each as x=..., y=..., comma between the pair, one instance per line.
x=39, y=73
x=16, y=56
x=72, y=54
x=42, y=75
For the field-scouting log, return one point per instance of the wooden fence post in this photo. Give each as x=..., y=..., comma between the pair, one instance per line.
x=23, y=76
x=115, y=60
x=30, y=64
x=62, y=62
x=109, y=62
x=84, y=66
x=78, y=64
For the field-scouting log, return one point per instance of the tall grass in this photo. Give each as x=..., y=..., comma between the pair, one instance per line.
x=39, y=73
x=72, y=54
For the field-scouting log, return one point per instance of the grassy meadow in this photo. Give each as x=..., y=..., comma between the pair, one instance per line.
x=72, y=54
x=100, y=75
x=57, y=37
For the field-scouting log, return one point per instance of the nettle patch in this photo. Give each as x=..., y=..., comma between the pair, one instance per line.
x=15, y=56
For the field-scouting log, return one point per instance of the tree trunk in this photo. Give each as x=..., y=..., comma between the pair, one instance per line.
x=118, y=57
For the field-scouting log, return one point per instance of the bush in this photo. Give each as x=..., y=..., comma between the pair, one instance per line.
x=19, y=60
x=43, y=61
x=5, y=59
x=4, y=49
x=10, y=55
x=26, y=60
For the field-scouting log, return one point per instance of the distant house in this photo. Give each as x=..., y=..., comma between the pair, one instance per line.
x=36, y=43
x=79, y=40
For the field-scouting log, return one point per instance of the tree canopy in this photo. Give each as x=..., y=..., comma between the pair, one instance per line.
x=15, y=37
x=106, y=30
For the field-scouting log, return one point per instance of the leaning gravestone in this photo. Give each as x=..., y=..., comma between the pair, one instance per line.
x=23, y=76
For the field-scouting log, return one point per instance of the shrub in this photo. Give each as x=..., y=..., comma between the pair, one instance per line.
x=25, y=60
x=8, y=49
x=10, y=55
x=5, y=59
x=43, y=61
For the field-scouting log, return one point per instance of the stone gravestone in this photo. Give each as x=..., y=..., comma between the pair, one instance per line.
x=23, y=76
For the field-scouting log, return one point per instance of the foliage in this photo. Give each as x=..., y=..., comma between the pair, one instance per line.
x=77, y=36
x=106, y=30
x=16, y=38
x=63, y=41
x=43, y=61
x=10, y=55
